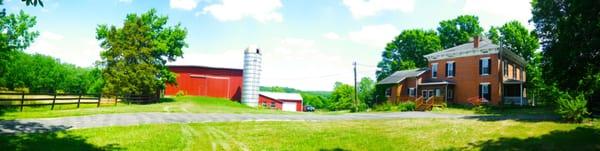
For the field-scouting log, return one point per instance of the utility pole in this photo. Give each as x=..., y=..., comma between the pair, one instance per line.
x=355, y=89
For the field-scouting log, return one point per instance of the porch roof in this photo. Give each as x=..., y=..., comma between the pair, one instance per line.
x=436, y=82
x=398, y=76
x=512, y=81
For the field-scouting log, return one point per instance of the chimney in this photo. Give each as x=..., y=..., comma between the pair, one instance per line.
x=476, y=42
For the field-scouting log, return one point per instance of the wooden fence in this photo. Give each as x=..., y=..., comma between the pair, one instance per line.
x=39, y=99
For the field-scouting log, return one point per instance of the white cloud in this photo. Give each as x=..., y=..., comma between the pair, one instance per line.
x=51, y=36
x=183, y=4
x=125, y=1
x=365, y=8
x=374, y=35
x=233, y=10
x=81, y=52
x=331, y=36
x=500, y=11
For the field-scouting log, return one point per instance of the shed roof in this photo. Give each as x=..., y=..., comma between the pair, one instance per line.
x=199, y=66
x=398, y=76
x=282, y=96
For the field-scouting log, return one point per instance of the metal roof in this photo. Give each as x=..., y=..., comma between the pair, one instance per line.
x=282, y=96
x=199, y=66
x=398, y=76
x=466, y=48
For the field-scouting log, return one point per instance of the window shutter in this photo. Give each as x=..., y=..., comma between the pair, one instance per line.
x=480, y=66
x=480, y=91
x=489, y=69
x=489, y=92
x=454, y=69
x=446, y=69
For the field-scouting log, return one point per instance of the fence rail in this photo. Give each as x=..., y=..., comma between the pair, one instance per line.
x=35, y=99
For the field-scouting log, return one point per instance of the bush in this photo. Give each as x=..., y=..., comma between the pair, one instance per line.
x=383, y=107
x=361, y=107
x=572, y=108
x=407, y=106
x=180, y=93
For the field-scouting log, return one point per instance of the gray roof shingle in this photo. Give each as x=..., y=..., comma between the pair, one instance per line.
x=398, y=76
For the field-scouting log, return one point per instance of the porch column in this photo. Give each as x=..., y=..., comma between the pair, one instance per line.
x=521, y=85
x=446, y=94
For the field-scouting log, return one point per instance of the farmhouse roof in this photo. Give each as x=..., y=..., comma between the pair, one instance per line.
x=398, y=76
x=282, y=96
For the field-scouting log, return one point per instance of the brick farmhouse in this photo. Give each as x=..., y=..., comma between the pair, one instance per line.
x=478, y=72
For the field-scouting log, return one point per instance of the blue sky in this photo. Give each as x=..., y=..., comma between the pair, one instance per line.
x=307, y=44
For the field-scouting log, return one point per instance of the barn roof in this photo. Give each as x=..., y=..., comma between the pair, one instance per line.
x=199, y=66
x=282, y=96
x=398, y=76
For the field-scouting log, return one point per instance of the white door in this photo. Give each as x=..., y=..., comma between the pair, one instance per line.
x=289, y=106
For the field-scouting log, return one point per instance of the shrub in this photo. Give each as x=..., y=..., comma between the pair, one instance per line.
x=407, y=106
x=361, y=107
x=572, y=108
x=180, y=93
x=26, y=90
x=383, y=107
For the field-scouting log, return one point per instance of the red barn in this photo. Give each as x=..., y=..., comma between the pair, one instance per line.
x=281, y=101
x=207, y=81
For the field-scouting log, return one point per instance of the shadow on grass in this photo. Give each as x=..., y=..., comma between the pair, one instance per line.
x=517, y=113
x=581, y=138
x=35, y=136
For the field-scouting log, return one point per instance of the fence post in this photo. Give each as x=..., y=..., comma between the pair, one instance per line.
x=79, y=100
x=53, y=101
x=22, y=100
x=99, y=99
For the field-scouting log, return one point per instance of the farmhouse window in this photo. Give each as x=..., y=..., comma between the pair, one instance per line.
x=411, y=92
x=272, y=104
x=450, y=69
x=434, y=68
x=484, y=66
x=484, y=91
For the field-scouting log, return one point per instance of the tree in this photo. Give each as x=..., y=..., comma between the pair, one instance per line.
x=493, y=35
x=515, y=37
x=366, y=90
x=134, y=56
x=459, y=30
x=341, y=97
x=406, y=51
x=570, y=35
x=16, y=35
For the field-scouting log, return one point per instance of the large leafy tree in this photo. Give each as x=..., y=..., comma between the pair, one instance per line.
x=135, y=54
x=406, y=51
x=459, y=30
x=570, y=35
x=515, y=37
x=15, y=35
x=366, y=90
x=341, y=97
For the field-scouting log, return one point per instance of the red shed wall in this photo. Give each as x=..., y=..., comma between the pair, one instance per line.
x=263, y=99
x=207, y=81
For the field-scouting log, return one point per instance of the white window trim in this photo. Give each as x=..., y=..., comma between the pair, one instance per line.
x=488, y=86
x=414, y=92
x=436, y=68
x=453, y=72
x=489, y=66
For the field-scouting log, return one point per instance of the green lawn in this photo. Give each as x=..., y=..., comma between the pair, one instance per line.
x=176, y=104
x=402, y=134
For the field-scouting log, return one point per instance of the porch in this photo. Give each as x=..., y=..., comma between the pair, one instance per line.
x=514, y=93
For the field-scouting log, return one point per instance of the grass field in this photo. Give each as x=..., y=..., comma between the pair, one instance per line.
x=176, y=104
x=402, y=134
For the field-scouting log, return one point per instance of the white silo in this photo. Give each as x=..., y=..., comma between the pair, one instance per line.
x=252, y=68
